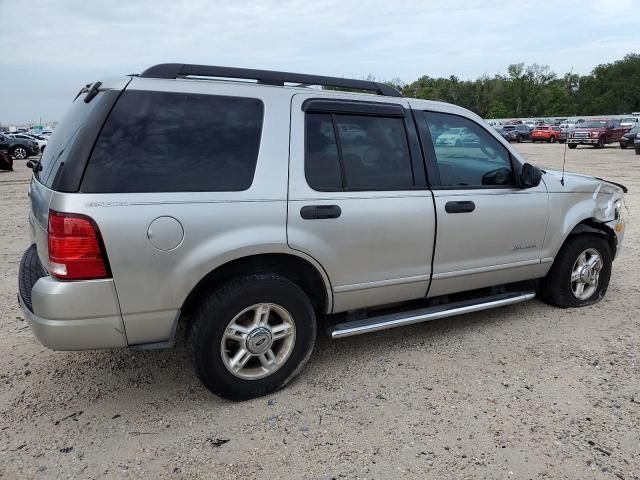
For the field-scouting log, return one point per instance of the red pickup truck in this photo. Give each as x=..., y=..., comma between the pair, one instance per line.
x=597, y=132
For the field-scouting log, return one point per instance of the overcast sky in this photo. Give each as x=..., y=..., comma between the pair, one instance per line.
x=49, y=49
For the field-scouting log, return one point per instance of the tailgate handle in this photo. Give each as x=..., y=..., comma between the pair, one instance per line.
x=320, y=212
x=459, y=207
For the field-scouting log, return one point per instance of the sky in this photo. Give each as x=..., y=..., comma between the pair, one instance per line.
x=50, y=48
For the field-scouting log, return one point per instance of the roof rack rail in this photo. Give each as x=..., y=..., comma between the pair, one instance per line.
x=266, y=77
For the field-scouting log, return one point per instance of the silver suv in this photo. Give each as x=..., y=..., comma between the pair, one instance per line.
x=256, y=213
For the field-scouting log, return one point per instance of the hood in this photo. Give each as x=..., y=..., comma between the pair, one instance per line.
x=588, y=129
x=576, y=183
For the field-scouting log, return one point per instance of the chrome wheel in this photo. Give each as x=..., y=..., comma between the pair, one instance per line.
x=585, y=274
x=258, y=341
x=20, y=153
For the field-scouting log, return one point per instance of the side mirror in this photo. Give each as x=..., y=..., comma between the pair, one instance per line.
x=530, y=176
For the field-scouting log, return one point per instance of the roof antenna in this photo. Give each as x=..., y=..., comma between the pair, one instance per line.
x=566, y=141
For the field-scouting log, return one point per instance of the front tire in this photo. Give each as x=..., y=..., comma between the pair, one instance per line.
x=573, y=146
x=251, y=336
x=552, y=140
x=580, y=273
x=601, y=143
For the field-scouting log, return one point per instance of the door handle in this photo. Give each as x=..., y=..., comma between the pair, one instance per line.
x=459, y=207
x=319, y=212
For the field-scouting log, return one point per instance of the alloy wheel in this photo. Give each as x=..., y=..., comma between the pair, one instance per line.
x=586, y=273
x=258, y=341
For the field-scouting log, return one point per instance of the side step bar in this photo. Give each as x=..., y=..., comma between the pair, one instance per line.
x=392, y=320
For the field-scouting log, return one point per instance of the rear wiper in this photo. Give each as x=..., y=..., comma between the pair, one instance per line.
x=93, y=91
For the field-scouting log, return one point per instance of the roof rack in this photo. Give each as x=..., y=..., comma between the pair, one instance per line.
x=266, y=77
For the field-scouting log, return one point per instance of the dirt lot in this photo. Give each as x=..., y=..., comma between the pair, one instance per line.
x=524, y=392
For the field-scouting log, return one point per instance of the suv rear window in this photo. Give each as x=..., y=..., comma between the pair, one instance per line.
x=67, y=130
x=176, y=142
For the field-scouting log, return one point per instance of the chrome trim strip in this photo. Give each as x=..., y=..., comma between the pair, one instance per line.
x=423, y=315
x=489, y=268
x=380, y=283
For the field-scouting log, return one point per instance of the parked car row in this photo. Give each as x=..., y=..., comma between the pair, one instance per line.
x=41, y=140
x=597, y=133
x=20, y=148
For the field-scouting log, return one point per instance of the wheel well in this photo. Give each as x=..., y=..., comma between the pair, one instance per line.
x=295, y=269
x=591, y=225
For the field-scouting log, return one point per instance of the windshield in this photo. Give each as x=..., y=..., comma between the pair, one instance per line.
x=635, y=129
x=594, y=124
x=629, y=120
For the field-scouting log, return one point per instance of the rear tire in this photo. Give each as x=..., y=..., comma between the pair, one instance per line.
x=573, y=146
x=519, y=139
x=561, y=286
x=19, y=153
x=637, y=151
x=231, y=326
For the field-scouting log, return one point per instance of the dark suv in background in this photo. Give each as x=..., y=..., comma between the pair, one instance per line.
x=20, y=148
x=628, y=138
x=521, y=132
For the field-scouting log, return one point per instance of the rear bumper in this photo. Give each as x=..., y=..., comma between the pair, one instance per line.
x=70, y=315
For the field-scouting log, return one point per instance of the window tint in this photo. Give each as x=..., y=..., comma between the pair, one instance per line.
x=176, y=142
x=352, y=152
x=466, y=154
x=59, y=143
x=322, y=163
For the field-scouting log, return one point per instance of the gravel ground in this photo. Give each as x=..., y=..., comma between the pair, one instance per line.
x=523, y=392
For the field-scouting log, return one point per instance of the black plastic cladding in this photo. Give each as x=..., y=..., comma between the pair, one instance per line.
x=267, y=77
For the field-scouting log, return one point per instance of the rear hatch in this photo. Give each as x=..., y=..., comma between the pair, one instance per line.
x=64, y=160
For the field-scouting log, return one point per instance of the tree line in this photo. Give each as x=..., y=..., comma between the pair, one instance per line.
x=536, y=91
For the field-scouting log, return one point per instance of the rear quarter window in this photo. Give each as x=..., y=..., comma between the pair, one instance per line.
x=176, y=142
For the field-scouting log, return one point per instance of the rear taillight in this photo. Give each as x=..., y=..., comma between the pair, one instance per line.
x=76, y=251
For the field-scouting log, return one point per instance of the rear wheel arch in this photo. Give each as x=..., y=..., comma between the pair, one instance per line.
x=298, y=270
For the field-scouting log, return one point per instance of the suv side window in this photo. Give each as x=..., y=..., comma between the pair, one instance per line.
x=478, y=160
x=176, y=142
x=356, y=152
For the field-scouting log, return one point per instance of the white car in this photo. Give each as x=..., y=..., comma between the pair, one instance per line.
x=629, y=121
x=457, y=137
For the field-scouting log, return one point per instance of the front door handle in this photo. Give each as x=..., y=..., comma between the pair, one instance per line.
x=319, y=212
x=459, y=207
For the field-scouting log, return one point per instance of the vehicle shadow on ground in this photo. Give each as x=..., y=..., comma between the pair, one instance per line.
x=147, y=376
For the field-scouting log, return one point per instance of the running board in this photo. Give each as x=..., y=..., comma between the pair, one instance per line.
x=383, y=322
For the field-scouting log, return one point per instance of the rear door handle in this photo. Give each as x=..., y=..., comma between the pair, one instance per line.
x=319, y=212
x=459, y=207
